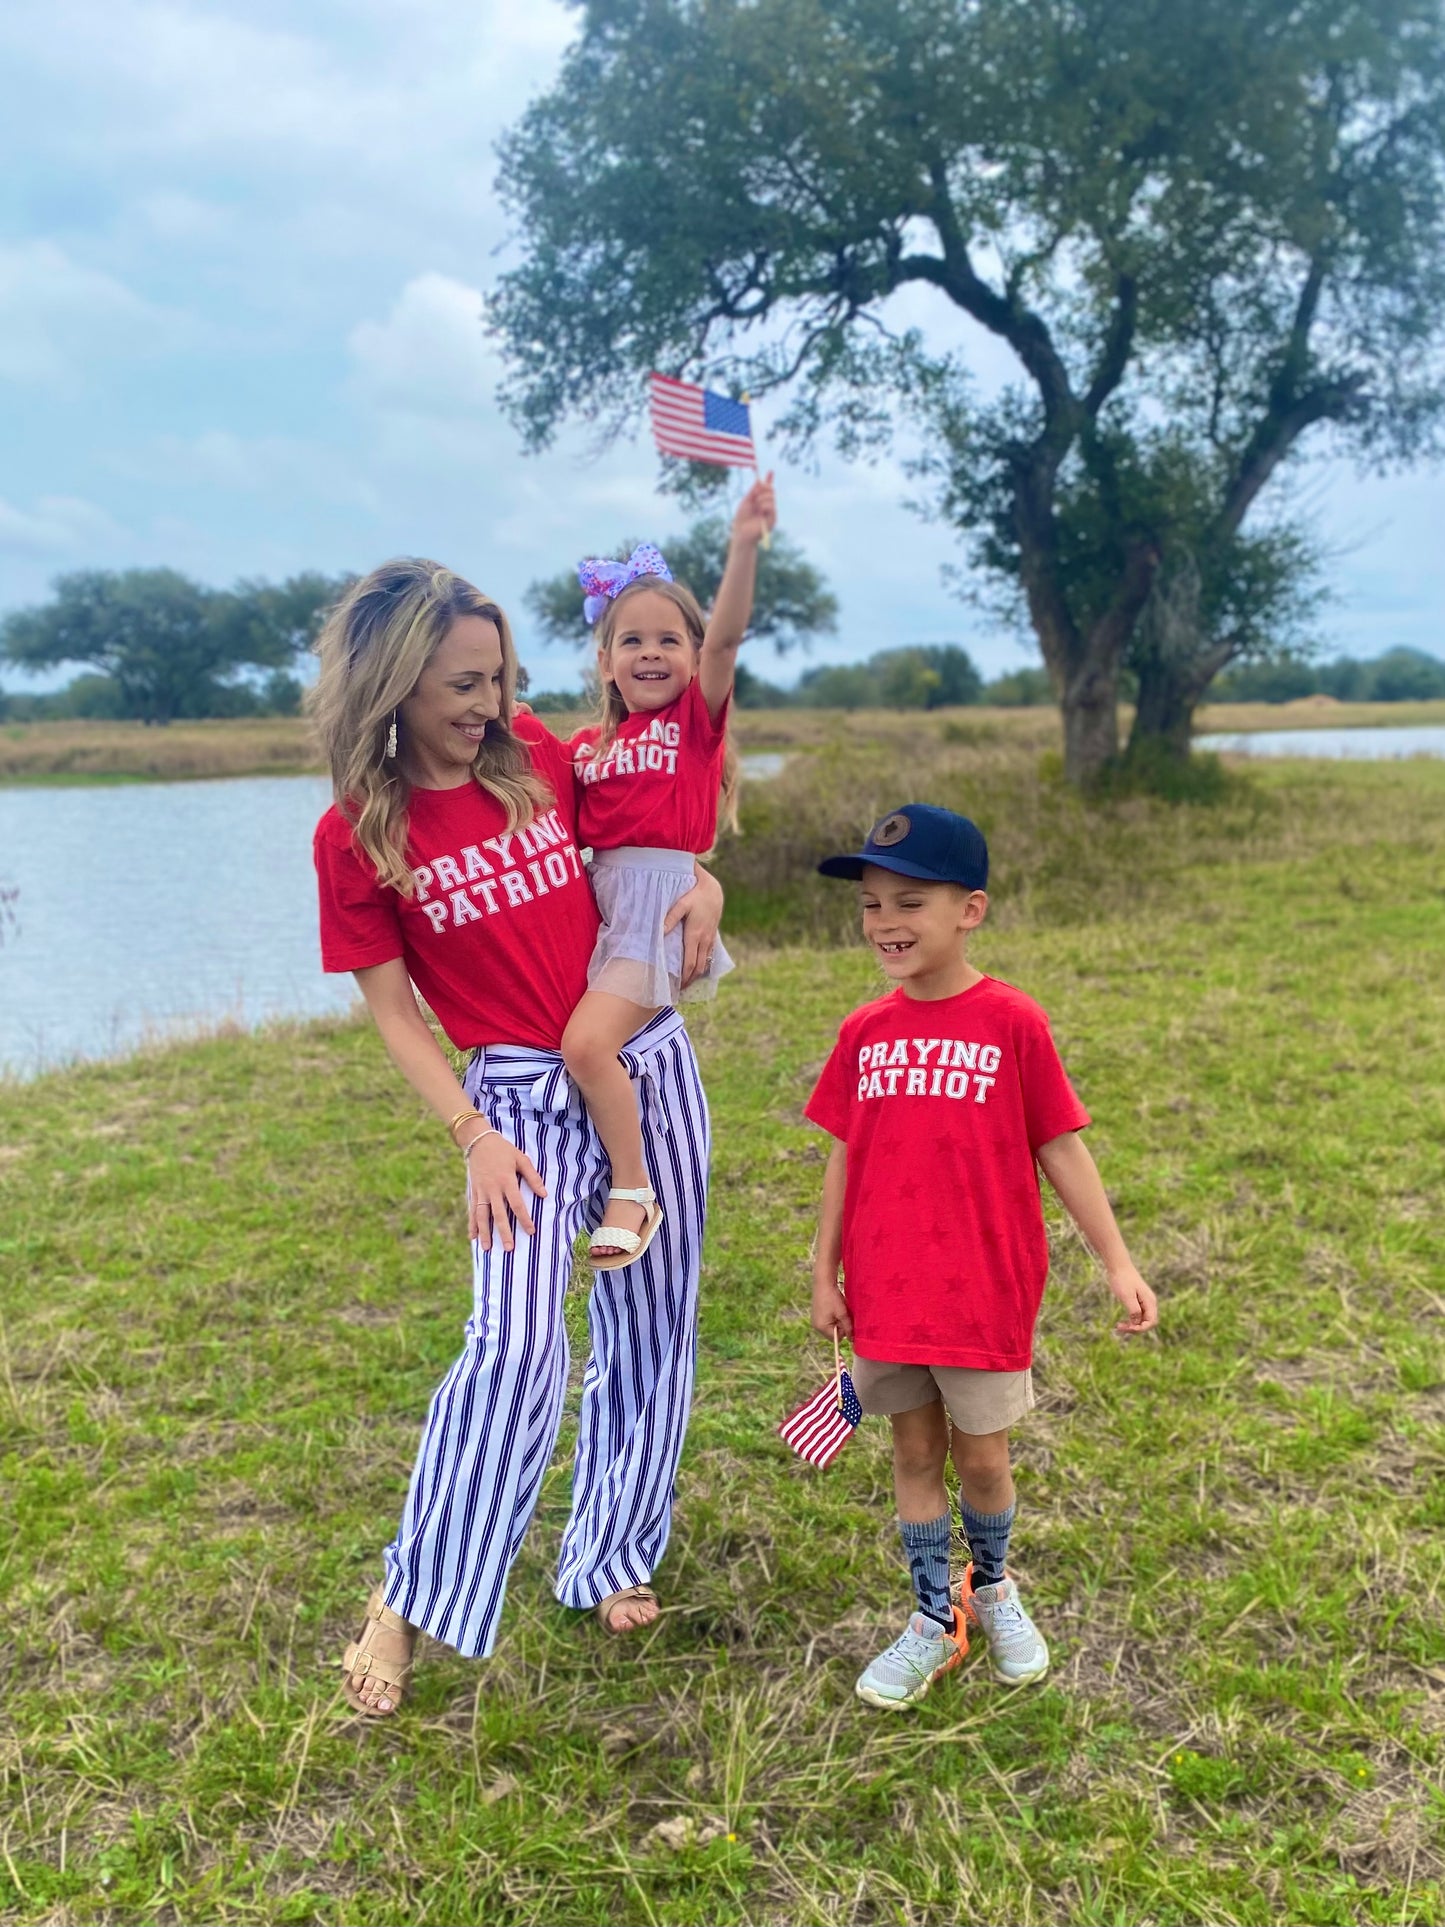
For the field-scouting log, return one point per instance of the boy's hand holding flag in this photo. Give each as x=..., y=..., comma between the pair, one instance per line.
x=821, y=1427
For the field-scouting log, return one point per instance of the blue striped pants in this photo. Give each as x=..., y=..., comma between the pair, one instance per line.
x=493, y=1421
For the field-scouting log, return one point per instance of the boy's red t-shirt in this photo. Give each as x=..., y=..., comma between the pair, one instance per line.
x=942, y=1106
x=657, y=785
x=499, y=931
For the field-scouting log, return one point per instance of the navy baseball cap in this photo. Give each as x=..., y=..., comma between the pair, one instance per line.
x=918, y=840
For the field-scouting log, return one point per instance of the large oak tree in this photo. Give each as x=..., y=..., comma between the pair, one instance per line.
x=1208, y=232
x=171, y=646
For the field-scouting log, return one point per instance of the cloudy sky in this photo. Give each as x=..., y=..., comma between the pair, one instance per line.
x=242, y=249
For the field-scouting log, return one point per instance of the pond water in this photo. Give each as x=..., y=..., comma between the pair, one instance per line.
x=140, y=910
x=1420, y=739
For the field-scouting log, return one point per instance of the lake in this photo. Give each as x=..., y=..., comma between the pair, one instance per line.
x=140, y=910
x=1420, y=739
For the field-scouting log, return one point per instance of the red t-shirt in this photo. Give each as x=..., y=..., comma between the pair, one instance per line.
x=942, y=1107
x=498, y=933
x=657, y=786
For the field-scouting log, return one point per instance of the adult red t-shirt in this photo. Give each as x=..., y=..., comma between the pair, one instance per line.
x=498, y=932
x=657, y=784
x=943, y=1106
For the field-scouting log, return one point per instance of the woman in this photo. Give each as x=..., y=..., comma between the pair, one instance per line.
x=449, y=862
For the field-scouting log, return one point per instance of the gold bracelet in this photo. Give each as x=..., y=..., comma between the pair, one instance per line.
x=460, y=1118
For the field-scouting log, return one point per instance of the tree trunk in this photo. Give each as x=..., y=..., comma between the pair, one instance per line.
x=1165, y=711
x=1090, y=706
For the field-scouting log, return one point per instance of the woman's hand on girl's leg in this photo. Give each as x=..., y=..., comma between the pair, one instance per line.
x=699, y=911
x=496, y=1172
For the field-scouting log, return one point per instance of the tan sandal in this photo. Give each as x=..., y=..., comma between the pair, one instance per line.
x=605, y=1608
x=382, y=1653
x=631, y=1244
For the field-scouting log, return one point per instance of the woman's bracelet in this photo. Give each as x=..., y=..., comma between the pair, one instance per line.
x=472, y=1143
x=460, y=1118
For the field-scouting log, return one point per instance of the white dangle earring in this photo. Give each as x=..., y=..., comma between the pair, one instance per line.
x=391, y=736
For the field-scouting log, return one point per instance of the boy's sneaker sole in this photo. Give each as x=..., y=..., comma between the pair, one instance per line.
x=886, y=1705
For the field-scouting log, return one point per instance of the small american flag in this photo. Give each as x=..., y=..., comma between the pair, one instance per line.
x=699, y=425
x=819, y=1430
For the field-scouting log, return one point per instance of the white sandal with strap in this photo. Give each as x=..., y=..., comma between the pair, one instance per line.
x=631, y=1244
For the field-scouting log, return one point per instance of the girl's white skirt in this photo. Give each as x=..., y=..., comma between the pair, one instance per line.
x=635, y=889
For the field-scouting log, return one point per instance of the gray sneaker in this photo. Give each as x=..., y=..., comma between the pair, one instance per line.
x=1015, y=1646
x=903, y=1672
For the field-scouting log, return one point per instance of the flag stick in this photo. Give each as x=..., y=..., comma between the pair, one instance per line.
x=837, y=1370
x=767, y=541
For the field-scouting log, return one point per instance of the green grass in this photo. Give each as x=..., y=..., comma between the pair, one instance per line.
x=231, y=1273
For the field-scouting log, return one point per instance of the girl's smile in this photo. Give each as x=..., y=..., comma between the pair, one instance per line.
x=652, y=658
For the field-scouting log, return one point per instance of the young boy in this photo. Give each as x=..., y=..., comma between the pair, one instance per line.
x=945, y=1096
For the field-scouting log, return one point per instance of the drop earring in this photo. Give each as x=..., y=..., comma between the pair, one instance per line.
x=391, y=736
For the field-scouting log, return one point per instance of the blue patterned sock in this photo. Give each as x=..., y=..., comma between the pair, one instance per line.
x=987, y=1534
x=927, y=1544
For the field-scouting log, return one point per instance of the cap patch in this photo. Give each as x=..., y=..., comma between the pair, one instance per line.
x=891, y=830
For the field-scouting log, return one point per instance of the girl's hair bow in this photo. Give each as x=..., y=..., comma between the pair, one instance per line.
x=603, y=580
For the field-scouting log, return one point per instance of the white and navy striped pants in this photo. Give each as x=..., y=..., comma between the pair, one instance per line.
x=493, y=1422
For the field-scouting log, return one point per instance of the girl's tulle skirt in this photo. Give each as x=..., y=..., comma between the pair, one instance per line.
x=635, y=889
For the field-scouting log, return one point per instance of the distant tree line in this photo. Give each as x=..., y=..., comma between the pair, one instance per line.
x=1399, y=676
x=938, y=676
x=158, y=647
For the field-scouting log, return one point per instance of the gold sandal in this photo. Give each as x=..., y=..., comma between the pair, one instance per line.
x=605, y=1608
x=377, y=1661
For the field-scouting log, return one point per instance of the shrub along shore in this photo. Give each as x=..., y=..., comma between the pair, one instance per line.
x=282, y=746
x=231, y=1273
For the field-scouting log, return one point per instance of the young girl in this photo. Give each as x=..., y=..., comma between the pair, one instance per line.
x=649, y=778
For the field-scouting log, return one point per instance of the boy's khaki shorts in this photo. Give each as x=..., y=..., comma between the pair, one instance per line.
x=977, y=1402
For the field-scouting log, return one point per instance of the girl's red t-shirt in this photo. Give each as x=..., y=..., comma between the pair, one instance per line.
x=500, y=928
x=942, y=1107
x=657, y=784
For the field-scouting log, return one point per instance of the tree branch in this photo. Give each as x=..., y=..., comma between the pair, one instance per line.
x=1024, y=330
x=1110, y=635
x=1118, y=345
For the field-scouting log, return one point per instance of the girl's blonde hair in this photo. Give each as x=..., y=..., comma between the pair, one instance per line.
x=612, y=712
x=373, y=648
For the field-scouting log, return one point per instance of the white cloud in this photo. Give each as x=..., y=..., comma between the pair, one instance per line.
x=57, y=314
x=429, y=356
x=284, y=468
x=58, y=525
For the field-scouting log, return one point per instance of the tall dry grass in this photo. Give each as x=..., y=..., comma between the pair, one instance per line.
x=1057, y=857
x=80, y=751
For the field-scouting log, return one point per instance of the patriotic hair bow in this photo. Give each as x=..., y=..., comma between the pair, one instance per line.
x=602, y=580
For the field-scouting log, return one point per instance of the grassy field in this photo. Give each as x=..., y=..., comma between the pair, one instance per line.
x=89, y=752
x=230, y=1275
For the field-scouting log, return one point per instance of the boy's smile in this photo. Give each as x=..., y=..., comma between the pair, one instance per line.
x=919, y=931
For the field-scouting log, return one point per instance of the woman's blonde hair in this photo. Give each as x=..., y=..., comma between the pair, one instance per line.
x=612, y=712
x=373, y=648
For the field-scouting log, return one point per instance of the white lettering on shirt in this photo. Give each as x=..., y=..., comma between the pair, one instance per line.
x=474, y=888
x=961, y=1067
x=654, y=750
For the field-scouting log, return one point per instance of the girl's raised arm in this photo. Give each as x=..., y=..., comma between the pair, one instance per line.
x=733, y=609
